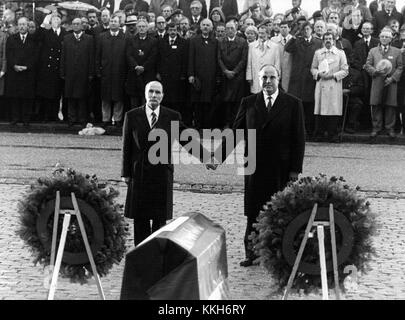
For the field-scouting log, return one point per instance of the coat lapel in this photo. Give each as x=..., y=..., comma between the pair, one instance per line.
x=260, y=109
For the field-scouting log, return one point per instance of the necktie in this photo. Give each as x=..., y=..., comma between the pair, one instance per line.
x=284, y=41
x=154, y=120
x=56, y=32
x=23, y=39
x=171, y=42
x=269, y=105
x=262, y=45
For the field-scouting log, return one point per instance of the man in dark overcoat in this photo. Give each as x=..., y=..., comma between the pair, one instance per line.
x=172, y=68
x=277, y=119
x=383, y=17
x=202, y=73
x=49, y=84
x=22, y=57
x=111, y=69
x=232, y=58
x=150, y=185
x=141, y=55
x=302, y=47
x=77, y=69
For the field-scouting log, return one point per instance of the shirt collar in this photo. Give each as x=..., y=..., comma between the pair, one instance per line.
x=56, y=30
x=115, y=33
x=308, y=39
x=78, y=35
x=149, y=112
x=233, y=39
x=273, y=97
x=334, y=50
x=173, y=39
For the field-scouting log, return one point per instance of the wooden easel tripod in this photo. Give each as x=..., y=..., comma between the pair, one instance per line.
x=55, y=266
x=320, y=234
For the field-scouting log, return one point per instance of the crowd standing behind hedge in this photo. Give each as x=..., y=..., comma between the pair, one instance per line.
x=93, y=66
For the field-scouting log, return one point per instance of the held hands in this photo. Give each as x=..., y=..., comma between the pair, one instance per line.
x=229, y=74
x=388, y=81
x=293, y=176
x=191, y=79
x=126, y=179
x=2, y=73
x=20, y=68
x=139, y=70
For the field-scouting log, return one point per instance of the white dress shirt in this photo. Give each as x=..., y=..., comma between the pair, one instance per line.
x=149, y=114
x=273, y=98
x=57, y=31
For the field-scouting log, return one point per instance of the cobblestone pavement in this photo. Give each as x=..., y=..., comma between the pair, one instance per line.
x=20, y=279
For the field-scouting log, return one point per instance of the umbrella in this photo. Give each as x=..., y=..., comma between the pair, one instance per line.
x=76, y=6
x=34, y=2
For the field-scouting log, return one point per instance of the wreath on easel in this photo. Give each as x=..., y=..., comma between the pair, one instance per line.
x=281, y=227
x=103, y=220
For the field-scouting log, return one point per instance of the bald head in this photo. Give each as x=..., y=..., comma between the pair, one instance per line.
x=153, y=94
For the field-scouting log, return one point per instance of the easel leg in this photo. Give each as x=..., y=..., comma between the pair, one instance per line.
x=334, y=254
x=55, y=228
x=300, y=251
x=87, y=245
x=52, y=289
x=322, y=259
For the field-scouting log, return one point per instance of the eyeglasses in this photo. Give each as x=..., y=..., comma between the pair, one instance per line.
x=161, y=22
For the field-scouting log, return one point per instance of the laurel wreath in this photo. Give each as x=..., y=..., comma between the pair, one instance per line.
x=101, y=197
x=299, y=197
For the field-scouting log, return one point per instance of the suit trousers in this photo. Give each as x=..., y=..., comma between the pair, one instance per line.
x=309, y=117
x=143, y=228
x=327, y=124
x=48, y=109
x=77, y=110
x=22, y=109
x=118, y=110
x=249, y=253
x=377, y=117
x=203, y=115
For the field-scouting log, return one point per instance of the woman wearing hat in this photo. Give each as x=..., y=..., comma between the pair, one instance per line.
x=217, y=16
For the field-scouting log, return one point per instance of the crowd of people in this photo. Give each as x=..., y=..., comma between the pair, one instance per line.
x=92, y=65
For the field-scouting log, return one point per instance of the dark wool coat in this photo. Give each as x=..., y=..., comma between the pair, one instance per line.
x=172, y=67
x=381, y=19
x=280, y=146
x=360, y=54
x=49, y=83
x=111, y=65
x=21, y=84
x=202, y=64
x=3, y=61
x=232, y=56
x=140, y=53
x=77, y=65
x=150, y=191
x=302, y=84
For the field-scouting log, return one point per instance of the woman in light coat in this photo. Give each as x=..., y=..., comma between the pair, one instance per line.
x=261, y=52
x=329, y=68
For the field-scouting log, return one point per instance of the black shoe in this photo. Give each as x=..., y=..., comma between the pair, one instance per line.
x=392, y=135
x=350, y=130
x=14, y=122
x=334, y=139
x=26, y=124
x=246, y=263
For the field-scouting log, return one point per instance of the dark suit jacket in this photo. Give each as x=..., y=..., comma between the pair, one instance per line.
x=140, y=53
x=280, y=145
x=374, y=7
x=172, y=67
x=360, y=52
x=381, y=18
x=77, y=65
x=21, y=84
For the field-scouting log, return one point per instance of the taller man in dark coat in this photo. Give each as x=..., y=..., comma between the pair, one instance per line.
x=172, y=68
x=277, y=119
x=111, y=69
x=21, y=55
x=49, y=84
x=302, y=48
x=202, y=73
x=150, y=185
x=77, y=69
x=232, y=58
x=141, y=55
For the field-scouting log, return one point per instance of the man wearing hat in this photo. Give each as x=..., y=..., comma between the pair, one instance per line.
x=138, y=5
x=384, y=64
x=131, y=26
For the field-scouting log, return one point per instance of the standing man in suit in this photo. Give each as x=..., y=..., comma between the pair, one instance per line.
x=172, y=68
x=202, y=73
x=232, y=58
x=21, y=55
x=150, y=186
x=77, y=69
x=382, y=17
x=141, y=55
x=185, y=6
x=111, y=69
x=277, y=118
x=302, y=47
x=384, y=86
x=49, y=84
x=196, y=15
x=360, y=53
